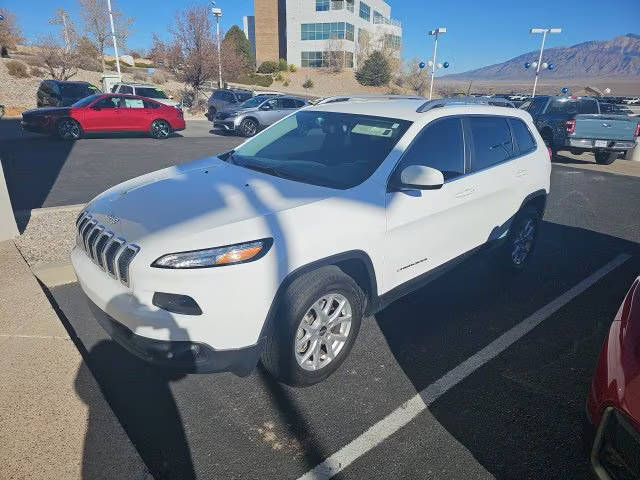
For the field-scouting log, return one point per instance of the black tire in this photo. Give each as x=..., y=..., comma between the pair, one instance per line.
x=160, y=129
x=516, y=260
x=68, y=129
x=248, y=127
x=211, y=114
x=279, y=355
x=605, y=158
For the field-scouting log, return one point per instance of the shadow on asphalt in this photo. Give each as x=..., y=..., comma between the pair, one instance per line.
x=522, y=414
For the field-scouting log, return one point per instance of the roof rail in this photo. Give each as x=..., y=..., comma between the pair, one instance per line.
x=458, y=101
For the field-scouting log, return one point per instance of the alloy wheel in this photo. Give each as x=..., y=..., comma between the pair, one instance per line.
x=323, y=332
x=523, y=242
x=160, y=129
x=69, y=130
x=249, y=128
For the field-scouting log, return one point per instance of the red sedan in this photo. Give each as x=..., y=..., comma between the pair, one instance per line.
x=613, y=404
x=105, y=113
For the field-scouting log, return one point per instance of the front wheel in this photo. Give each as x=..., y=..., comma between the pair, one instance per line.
x=316, y=326
x=521, y=240
x=249, y=127
x=69, y=129
x=211, y=114
x=606, y=158
x=160, y=129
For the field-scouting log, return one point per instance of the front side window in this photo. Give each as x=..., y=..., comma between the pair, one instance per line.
x=491, y=139
x=322, y=5
x=83, y=102
x=365, y=11
x=150, y=92
x=524, y=139
x=336, y=150
x=440, y=145
x=108, y=102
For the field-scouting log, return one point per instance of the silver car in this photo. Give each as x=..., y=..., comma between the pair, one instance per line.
x=257, y=113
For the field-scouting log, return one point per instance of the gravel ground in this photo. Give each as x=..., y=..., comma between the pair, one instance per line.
x=49, y=236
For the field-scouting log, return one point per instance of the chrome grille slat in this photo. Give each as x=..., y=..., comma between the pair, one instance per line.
x=112, y=254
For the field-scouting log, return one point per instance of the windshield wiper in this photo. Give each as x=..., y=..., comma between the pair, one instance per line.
x=227, y=156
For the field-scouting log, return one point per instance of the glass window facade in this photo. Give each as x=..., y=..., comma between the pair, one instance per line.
x=350, y=5
x=365, y=11
x=325, y=31
x=392, y=41
x=322, y=5
x=337, y=4
x=321, y=59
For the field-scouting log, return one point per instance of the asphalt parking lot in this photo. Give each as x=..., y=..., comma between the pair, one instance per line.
x=516, y=414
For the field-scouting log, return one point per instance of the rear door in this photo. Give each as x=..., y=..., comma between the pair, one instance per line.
x=133, y=115
x=496, y=195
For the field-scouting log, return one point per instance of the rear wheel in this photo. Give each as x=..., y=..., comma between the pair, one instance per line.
x=316, y=326
x=521, y=240
x=249, y=127
x=68, y=129
x=606, y=158
x=160, y=129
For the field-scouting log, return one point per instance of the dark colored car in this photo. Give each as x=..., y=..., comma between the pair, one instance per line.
x=613, y=403
x=576, y=124
x=56, y=93
x=105, y=113
x=224, y=98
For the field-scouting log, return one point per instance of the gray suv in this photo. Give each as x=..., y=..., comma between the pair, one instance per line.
x=257, y=113
x=223, y=98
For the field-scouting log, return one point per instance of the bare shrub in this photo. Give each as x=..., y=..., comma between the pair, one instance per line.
x=140, y=76
x=334, y=49
x=37, y=72
x=17, y=69
x=159, y=78
x=61, y=65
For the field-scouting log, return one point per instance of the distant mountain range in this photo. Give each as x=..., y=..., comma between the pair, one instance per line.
x=619, y=57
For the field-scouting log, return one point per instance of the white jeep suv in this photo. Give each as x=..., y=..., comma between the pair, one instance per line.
x=278, y=249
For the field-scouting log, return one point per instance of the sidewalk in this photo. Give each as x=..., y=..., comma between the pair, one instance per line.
x=43, y=419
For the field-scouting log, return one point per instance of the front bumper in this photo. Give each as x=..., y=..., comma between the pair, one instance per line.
x=227, y=125
x=183, y=356
x=616, y=449
x=34, y=127
x=592, y=144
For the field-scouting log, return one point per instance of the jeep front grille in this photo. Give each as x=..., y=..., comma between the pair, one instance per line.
x=110, y=253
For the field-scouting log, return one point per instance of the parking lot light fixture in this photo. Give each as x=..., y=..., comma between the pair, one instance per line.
x=217, y=12
x=436, y=33
x=544, y=32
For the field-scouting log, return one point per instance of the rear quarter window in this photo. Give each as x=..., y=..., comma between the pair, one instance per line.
x=524, y=139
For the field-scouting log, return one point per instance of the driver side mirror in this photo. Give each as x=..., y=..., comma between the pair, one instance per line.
x=266, y=106
x=418, y=177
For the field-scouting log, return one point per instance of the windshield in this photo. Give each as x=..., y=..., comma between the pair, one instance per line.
x=83, y=102
x=77, y=90
x=254, y=102
x=150, y=92
x=336, y=150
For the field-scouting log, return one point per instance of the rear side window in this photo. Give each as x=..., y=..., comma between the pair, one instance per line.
x=572, y=106
x=133, y=103
x=440, y=145
x=148, y=104
x=491, y=139
x=291, y=103
x=536, y=106
x=522, y=134
x=108, y=102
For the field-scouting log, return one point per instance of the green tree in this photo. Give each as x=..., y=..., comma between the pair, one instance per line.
x=236, y=37
x=375, y=71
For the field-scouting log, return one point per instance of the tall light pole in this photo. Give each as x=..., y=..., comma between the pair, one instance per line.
x=115, y=44
x=217, y=12
x=544, y=32
x=437, y=32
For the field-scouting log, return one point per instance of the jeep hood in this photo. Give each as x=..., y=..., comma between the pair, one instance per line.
x=187, y=200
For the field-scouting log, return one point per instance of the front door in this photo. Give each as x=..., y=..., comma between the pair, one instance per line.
x=427, y=228
x=271, y=111
x=104, y=115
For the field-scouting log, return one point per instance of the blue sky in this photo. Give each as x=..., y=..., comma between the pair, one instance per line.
x=480, y=32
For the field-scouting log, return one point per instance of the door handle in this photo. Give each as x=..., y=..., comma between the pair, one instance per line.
x=465, y=193
x=521, y=173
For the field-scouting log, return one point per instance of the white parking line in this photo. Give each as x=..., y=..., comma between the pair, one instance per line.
x=410, y=409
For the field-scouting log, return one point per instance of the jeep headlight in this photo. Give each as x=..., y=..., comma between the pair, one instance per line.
x=216, y=257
